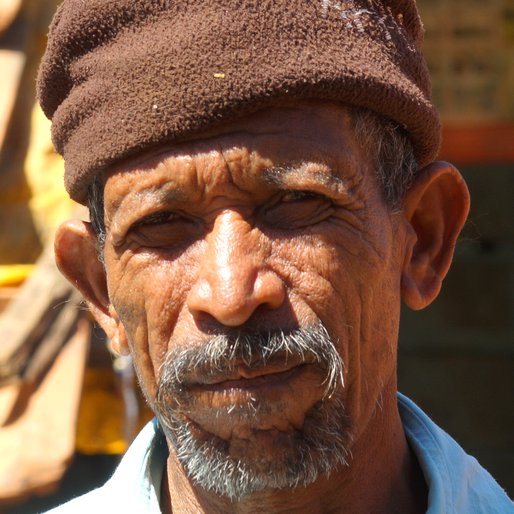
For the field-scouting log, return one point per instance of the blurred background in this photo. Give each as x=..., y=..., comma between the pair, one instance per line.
x=69, y=408
x=456, y=358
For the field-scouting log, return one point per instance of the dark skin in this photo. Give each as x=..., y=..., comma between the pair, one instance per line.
x=276, y=220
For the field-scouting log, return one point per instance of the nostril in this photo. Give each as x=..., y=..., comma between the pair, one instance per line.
x=269, y=290
x=199, y=298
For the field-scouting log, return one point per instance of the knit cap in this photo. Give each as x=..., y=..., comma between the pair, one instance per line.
x=122, y=76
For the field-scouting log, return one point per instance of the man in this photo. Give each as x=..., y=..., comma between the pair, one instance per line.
x=263, y=195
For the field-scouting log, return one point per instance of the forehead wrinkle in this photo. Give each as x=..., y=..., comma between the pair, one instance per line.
x=215, y=173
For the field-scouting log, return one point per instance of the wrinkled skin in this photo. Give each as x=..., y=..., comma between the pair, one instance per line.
x=274, y=222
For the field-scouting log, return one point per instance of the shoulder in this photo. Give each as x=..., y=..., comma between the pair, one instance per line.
x=134, y=486
x=94, y=501
x=456, y=481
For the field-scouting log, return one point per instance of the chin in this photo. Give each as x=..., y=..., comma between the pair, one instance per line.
x=264, y=459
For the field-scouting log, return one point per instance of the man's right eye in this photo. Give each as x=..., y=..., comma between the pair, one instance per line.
x=164, y=229
x=155, y=219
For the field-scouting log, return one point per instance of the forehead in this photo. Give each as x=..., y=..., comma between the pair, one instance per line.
x=285, y=137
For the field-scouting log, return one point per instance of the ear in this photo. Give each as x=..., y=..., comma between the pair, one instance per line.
x=435, y=207
x=77, y=256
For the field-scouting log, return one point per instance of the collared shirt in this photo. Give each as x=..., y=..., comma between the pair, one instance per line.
x=456, y=482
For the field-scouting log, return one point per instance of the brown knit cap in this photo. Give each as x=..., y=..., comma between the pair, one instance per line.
x=120, y=76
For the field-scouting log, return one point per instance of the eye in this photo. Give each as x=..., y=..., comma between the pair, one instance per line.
x=155, y=219
x=297, y=209
x=164, y=229
x=297, y=196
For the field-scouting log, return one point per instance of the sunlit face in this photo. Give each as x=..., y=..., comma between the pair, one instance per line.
x=270, y=225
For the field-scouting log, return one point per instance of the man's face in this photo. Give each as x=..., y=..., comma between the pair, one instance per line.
x=267, y=231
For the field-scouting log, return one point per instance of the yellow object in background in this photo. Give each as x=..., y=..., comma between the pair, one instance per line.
x=14, y=274
x=100, y=419
x=101, y=423
x=49, y=204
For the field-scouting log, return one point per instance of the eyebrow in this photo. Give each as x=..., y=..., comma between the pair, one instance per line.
x=277, y=175
x=162, y=196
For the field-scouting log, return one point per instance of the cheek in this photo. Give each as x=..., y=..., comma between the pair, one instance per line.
x=323, y=278
x=148, y=294
x=352, y=286
x=319, y=287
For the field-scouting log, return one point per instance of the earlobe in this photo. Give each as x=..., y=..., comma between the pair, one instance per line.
x=118, y=339
x=76, y=255
x=435, y=207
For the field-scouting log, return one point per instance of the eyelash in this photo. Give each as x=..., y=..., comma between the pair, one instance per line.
x=296, y=195
x=156, y=218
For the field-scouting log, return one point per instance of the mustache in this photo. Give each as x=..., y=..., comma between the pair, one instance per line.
x=219, y=356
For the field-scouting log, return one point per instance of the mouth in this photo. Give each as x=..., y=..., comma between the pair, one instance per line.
x=246, y=378
x=252, y=399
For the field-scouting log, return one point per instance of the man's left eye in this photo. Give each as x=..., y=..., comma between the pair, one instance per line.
x=295, y=209
x=296, y=196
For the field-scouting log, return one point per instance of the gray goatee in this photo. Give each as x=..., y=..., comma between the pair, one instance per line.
x=318, y=448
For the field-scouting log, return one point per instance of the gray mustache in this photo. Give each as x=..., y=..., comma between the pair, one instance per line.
x=222, y=354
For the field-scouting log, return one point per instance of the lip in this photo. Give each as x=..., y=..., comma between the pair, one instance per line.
x=245, y=378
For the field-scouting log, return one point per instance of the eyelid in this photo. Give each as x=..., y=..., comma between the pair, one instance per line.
x=301, y=194
x=154, y=218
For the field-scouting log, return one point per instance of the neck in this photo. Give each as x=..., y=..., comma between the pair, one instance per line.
x=383, y=476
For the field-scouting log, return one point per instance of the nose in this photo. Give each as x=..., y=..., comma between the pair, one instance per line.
x=234, y=280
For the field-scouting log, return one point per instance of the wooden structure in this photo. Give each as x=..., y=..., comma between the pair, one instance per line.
x=469, y=46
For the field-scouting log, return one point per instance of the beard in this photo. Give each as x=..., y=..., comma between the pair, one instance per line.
x=303, y=455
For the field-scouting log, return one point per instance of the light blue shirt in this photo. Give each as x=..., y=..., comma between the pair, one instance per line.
x=456, y=482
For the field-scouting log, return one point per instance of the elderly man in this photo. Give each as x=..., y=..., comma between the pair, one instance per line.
x=263, y=195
